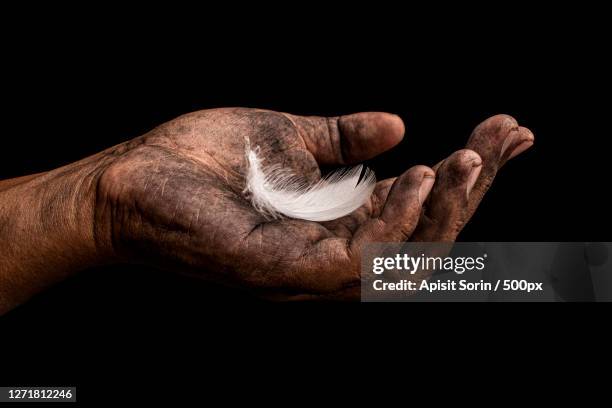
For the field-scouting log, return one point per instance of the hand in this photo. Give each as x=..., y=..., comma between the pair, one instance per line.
x=173, y=197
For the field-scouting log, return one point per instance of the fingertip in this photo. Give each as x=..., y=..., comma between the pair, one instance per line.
x=417, y=180
x=462, y=161
x=459, y=172
x=492, y=132
x=499, y=139
x=520, y=149
x=527, y=134
x=421, y=171
x=499, y=121
x=414, y=177
x=367, y=134
x=526, y=140
x=395, y=127
x=402, y=208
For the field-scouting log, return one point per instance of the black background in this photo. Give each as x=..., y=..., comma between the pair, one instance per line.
x=72, y=88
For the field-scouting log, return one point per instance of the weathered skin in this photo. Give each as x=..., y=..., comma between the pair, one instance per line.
x=173, y=198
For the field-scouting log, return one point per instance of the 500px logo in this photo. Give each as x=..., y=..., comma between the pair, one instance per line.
x=411, y=264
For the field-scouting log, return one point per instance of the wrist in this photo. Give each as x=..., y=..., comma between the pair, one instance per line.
x=47, y=230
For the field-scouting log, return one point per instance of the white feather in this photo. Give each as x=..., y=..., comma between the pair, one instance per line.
x=277, y=192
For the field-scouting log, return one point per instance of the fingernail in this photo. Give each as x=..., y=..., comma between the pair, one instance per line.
x=425, y=188
x=473, y=177
x=521, y=148
x=510, y=140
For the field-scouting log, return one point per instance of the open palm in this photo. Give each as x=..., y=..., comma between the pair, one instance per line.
x=174, y=197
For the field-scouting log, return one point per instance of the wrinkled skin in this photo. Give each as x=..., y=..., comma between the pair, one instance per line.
x=173, y=197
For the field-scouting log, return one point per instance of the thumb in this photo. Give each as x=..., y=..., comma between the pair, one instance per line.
x=351, y=138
